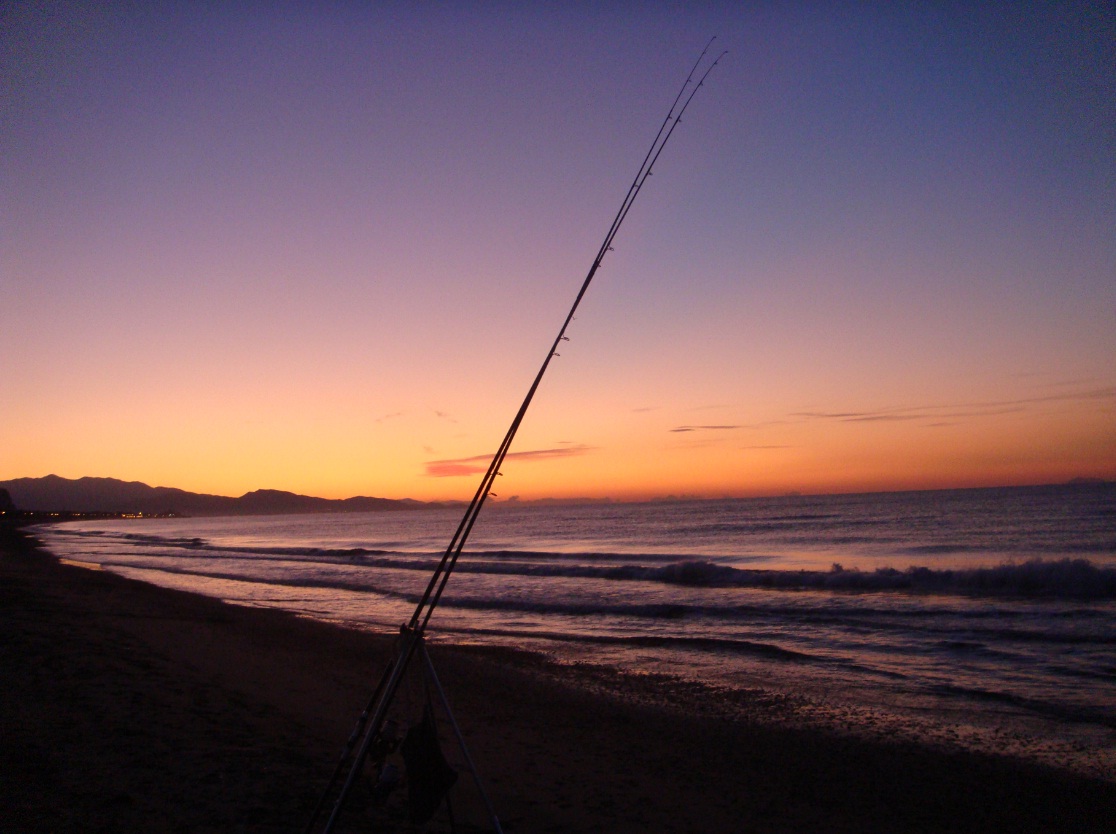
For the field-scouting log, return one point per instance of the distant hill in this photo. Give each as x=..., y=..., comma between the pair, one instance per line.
x=109, y=495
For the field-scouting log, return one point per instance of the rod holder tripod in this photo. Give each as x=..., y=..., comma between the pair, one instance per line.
x=368, y=733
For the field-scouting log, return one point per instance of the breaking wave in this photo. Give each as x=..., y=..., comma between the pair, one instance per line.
x=183, y=545
x=1037, y=578
x=1066, y=578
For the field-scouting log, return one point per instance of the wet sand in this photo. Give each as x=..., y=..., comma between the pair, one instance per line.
x=126, y=707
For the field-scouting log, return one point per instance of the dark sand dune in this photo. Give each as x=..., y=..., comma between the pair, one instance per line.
x=127, y=707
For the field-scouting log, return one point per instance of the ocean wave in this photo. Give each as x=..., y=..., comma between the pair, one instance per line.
x=1061, y=711
x=752, y=648
x=1037, y=578
x=178, y=546
x=1066, y=579
x=1063, y=579
x=939, y=549
x=327, y=553
x=320, y=582
x=860, y=619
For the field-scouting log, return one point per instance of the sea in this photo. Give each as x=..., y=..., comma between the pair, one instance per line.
x=981, y=619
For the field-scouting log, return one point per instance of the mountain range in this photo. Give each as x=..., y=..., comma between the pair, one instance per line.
x=110, y=495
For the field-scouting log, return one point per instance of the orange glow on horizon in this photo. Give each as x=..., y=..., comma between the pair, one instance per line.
x=203, y=290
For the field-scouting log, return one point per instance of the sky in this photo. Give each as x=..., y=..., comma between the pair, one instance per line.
x=325, y=247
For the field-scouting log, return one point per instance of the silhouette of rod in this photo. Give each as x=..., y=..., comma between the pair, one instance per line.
x=433, y=594
x=411, y=634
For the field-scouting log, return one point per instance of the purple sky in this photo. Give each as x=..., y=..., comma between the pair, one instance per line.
x=325, y=248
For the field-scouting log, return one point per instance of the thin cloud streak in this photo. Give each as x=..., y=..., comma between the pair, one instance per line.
x=935, y=416
x=956, y=411
x=477, y=464
x=704, y=428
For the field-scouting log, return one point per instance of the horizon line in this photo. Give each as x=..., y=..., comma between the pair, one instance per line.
x=584, y=499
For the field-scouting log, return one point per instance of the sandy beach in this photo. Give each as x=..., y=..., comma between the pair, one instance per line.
x=128, y=707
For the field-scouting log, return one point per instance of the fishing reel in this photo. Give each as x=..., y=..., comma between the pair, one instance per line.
x=388, y=774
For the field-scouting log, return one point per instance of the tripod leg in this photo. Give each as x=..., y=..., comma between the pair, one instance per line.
x=460, y=739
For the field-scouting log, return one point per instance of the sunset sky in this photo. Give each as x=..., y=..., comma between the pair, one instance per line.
x=325, y=249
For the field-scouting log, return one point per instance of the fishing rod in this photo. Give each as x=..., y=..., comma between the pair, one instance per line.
x=433, y=594
x=412, y=633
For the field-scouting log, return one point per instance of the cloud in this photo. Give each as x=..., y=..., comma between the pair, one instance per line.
x=452, y=469
x=956, y=411
x=936, y=416
x=896, y=416
x=544, y=454
x=704, y=428
x=477, y=464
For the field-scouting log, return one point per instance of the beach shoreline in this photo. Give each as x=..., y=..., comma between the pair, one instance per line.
x=132, y=707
